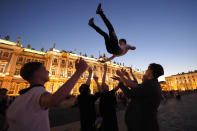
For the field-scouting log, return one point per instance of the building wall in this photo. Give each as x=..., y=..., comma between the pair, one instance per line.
x=182, y=82
x=60, y=64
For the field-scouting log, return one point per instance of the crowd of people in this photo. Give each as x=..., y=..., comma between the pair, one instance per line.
x=29, y=111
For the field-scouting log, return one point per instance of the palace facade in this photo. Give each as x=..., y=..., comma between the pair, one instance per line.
x=60, y=64
x=182, y=82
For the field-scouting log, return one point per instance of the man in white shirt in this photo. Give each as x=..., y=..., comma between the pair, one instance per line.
x=29, y=111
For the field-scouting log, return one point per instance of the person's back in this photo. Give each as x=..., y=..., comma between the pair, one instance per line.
x=108, y=110
x=142, y=110
x=87, y=108
x=27, y=108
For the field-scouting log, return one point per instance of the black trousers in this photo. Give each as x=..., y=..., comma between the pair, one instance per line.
x=111, y=40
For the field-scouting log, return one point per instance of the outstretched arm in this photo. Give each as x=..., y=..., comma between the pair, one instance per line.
x=134, y=78
x=129, y=83
x=89, y=77
x=131, y=47
x=49, y=100
x=110, y=58
x=104, y=74
x=97, y=83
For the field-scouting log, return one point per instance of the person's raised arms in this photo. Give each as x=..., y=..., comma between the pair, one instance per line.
x=127, y=82
x=49, y=100
x=97, y=83
x=104, y=74
x=134, y=78
x=90, y=76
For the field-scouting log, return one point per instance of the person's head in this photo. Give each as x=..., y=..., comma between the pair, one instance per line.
x=105, y=87
x=34, y=71
x=122, y=42
x=84, y=89
x=3, y=92
x=154, y=71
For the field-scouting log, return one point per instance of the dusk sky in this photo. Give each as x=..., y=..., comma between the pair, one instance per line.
x=164, y=31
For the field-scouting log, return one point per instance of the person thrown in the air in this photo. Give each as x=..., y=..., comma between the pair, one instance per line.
x=113, y=45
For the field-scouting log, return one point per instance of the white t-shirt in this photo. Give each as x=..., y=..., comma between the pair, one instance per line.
x=25, y=113
x=124, y=49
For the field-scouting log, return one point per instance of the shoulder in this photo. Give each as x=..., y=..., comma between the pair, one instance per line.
x=38, y=89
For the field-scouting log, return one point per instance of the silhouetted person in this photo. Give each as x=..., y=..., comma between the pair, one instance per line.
x=107, y=105
x=113, y=46
x=141, y=113
x=3, y=107
x=86, y=103
x=29, y=111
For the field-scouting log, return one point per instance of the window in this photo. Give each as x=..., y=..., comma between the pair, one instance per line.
x=69, y=74
x=28, y=60
x=53, y=71
x=20, y=59
x=5, y=54
x=113, y=71
x=2, y=67
x=94, y=68
x=62, y=73
x=63, y=61
x=17, y=72
x=70, y=65
x=55, y=60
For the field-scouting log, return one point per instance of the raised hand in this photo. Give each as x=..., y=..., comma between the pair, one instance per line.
x=95, y=78
x=90, y=70
x=125, y=73
x=105, y=67
x=81, y=65
x=131, y=70
x=116, y=78
x=119, y=73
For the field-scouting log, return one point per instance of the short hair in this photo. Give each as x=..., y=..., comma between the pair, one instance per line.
x=157, y=70
x=124, y=40
x=84, y=89
x=28, y=70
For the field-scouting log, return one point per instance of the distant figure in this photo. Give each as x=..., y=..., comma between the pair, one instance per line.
x=113, y=46
x=141, y=113
x=86, y=103
x=107, y=105
x=178, y=96
x=29, y=111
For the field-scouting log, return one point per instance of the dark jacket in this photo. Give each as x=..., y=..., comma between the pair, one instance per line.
x=107, y=106
x=87, y=111
x=141, y=113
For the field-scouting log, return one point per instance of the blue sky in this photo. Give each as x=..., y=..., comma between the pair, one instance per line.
x=164, y=31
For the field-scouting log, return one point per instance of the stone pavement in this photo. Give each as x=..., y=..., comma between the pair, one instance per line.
x=174, y=115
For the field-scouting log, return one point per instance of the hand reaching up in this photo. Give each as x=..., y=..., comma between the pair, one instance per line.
x=125, y=73
x=116, y=78
x=119, y=73
x=80, y=65
x=105, y=67
x=131, y=70
x=90, y=70
x=95, y=78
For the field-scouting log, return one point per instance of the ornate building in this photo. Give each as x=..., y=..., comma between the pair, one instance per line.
x=182, y=82
x=59, y=63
